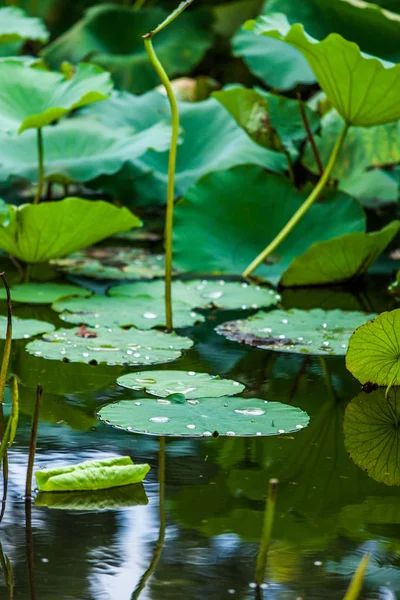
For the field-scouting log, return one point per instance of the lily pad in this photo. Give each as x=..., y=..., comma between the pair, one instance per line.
x=271, y=201
x=110, y=346
x=190, y=384
x=362, y=88
x=47, y=96
x=43, y=293
x=204, y=417
x=374, y=350
x=371, y=434
x=320, y=332
x=23, y=329
x=206, y=293
x=339, y=260
x=42, y=232
x=92, y=475
x=113, y=263
x=95, y=500
x=15, y=25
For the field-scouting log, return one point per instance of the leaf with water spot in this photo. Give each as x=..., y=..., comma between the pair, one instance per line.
x=204, y=417
x=320, y=332
x=16, y=25
x=24, y=328
x=190, y=384
x=43, y=293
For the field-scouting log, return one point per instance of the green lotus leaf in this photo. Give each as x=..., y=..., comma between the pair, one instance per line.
x=395, y=286
x=190, y=384
x=320, y=332
x=111, y=36
x=15, y=25
x=373, y=189
x=204, y=293
x=78, y=150
x=42, y=232
x=23, y=329
x=113, y=263
x=95, y=500
x=43, y=293
x=271, y=201
x=205, y=416
x=374, y=350
x=46, y=96
x=371, y=434
x=340, y=259
x=142, y=312
x=110, y=346
x=92, y=475
x=361, y=88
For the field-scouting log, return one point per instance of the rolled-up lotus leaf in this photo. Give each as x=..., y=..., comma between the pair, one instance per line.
x=111, y=499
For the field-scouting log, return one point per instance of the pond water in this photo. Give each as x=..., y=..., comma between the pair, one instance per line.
x=194, y=530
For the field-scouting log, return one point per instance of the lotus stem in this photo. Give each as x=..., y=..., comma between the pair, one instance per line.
x=310, y=136
x=7, y=346
x=138, y=4
x=289, y=166
x=356, y=583
x=39, y=190
x=269, y=515
x=299, y=214
x=32, y=442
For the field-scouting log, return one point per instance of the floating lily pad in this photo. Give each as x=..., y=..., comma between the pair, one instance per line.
x=23, y=329
x=142, y=312
x=321, y=332
x=95, y=500
x=43, y=293
x=190, y=384
x=39, y=233
x=204, y=293
x=15, y=25
x=374, y=350
x=47, y=96
x=92, y=475
x=339, y=260
x=204, y=417
x=372, y=435
x=110, y=346
x=113, y=263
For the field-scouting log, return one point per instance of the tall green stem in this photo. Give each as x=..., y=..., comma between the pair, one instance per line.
x=32, y=442
x=315, y=194
x=269, y=515
x=40, y=166
x=356, y=583
x=7, y=345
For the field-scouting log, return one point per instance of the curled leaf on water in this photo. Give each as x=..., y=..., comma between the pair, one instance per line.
x=95, y=500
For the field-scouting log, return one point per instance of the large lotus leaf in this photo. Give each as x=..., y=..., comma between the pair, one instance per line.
x=362, y=89
x=374, y=350
x=15, y=25
x=113, y=263
x=188, y=383
x=204, y=417
x=142, y=312
x=204, y=293
x=373, y=188
x=321, y=332
x=270, y=201
x=33, y=98
x=221, y=145
x=78, y=150
x=92, y=475
x=95, y=500
x=23, y=329
x=340, y=259
x=43, y=293
x=371, y=434
x=110, y=346
x=111, y=36
x=42, y=232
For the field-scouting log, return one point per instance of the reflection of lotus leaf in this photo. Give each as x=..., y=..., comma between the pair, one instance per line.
x=111, y=499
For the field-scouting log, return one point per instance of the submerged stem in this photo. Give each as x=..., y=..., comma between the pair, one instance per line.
x=32, y=442
x=40, y=166
x=265, y=541
x=315, y=194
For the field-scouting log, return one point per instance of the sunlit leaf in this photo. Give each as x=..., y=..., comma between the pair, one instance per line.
x=16, y=25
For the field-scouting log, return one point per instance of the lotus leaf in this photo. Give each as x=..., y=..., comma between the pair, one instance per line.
x=340, y=259
x=112, y=37
x=142, y=312
x=321, y=332
x=33, y=98
x=92, y=475
x=395, y=287
x=190, y=384
x=270, y=201
x=15, y=25
x=204, y=293
x=201, y=418
x=95, y=500
x=43, y=293
x=371, y=434
x=361, y=88
x=374, y=350
x=110, y=346
x=373, y=188
x=39, y=233
x=23, y=329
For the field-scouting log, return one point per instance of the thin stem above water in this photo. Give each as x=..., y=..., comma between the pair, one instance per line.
x=32, y=442
x=39, y=190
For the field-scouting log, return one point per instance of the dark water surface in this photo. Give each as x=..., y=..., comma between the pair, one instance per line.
x=329, y=511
